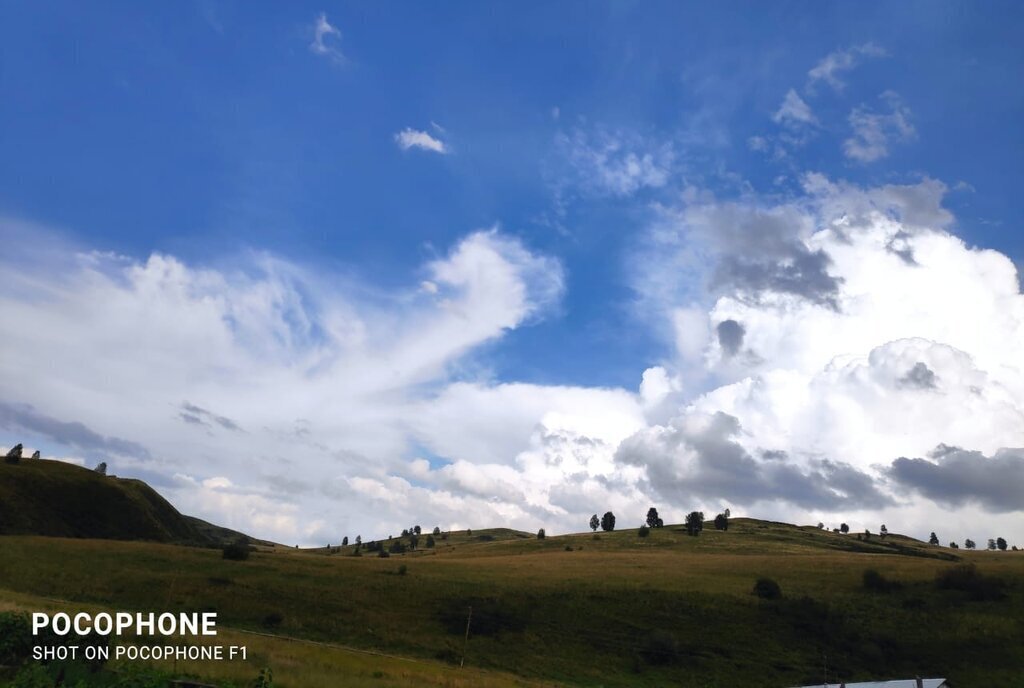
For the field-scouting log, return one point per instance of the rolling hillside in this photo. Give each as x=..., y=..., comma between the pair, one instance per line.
x=586, y=609
x=53, y=498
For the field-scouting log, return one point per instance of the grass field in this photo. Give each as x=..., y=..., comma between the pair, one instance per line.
x=618, y=610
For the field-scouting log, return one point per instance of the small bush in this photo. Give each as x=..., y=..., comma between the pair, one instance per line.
x=402, y=570
x=966, y=578
x=272, y=620
x=568, y=548
x=767, y=589
x=15, y=638
x=383, y=553
x=644, y=531
x=595, y=537
x=265, y=679
x=876, y=582
x=236, y=551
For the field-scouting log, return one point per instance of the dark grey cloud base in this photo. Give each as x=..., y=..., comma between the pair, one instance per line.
x=725, y=470
x=24, y=418
x=957, y=476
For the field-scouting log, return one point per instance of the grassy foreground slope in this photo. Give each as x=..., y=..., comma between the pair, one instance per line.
x=620, y=610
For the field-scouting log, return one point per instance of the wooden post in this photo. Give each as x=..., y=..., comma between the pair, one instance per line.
x=465, y=643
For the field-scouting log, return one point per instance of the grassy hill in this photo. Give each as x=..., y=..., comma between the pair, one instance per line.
x=53, y=498
x=605, y=609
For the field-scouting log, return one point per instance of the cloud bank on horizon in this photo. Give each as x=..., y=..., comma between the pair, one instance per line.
x=832, y=351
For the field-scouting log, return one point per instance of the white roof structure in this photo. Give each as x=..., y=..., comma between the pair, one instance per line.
x=901, y=683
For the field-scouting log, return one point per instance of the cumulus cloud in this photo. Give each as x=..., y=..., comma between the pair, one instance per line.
x=757, y=250
x=697, y=458
x=326, y=38
x=730, y=336
x=835, y=63
x=903, y=337
x=412, y=138
x=874, y=132
x=956, y=476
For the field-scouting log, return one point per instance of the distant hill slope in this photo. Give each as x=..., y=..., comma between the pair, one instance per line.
x=42, y=497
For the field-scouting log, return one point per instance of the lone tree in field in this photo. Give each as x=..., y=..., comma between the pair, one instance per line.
x=359, y=539
x=883, y=531
x=1001, y=544
x=430, y=542
x=14, y=455
x=344, y=541
x=969, y=544
x=608, y=522
x=721, y=522
x=595, y=522
x=953, y=545
x=417, y=530
x=101, y=468
x=991, y=543
x=843, y=528
x=933, y=539
x=694, y=523
x=541, y=534
x=653, y=521
x=437, y=530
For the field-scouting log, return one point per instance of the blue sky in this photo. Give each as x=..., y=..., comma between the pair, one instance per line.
x=217, y=133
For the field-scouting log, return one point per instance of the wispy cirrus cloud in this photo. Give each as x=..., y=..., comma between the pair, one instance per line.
x=326, y=40
x=874, y=132
x=834, y=64
x=794, y=110
x=414, y=138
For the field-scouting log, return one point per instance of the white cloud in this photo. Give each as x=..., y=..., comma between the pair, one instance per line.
x=295, y=382
x=836, y=331
x=839, y=61
x=412, y=138
x=873, y=131
x=325, y=40
x=919, y=347
x=616, y=163
x=794, y=111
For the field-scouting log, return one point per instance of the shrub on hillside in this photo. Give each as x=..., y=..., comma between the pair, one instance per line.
x=767, y=589
x=236, y=551
x=966, y=578
x=644, y=531
x=876, y=582
x=15, y=638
